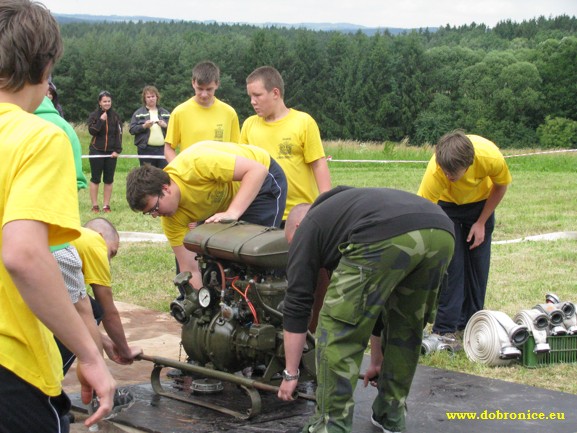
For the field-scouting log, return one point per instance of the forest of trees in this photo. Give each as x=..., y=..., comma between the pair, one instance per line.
x=515, y=83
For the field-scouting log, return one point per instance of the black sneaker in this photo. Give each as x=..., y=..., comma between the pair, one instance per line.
x=378, y=425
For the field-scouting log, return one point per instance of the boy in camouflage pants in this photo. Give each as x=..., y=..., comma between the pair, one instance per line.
x=388, y=251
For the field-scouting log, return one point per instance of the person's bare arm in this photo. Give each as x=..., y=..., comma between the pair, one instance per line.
x=113, y=324
x=251, y=175
x=293, y=347
x=84, y=309
x=322, y=174
x=36, y=274
x=169, y=152
x=187, y=262
x=374, y=367
x=477, y=232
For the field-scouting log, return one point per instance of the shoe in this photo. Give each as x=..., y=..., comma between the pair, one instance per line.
x=452, y=340
x=95, y=209
x=378, y=425
x=174, y=373
x=106, y=209
x=71, y=417
x=122, y=398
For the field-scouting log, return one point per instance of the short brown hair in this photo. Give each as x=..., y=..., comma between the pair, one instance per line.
x=142, y=182
x=205, y=73
x=30, y=43
x=150, y=89
x=454, y=152
x=270, y=77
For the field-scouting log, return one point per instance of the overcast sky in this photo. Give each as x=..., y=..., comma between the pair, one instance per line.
x=370, y=13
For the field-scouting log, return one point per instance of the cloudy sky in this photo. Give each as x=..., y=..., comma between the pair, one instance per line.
x=370, y=13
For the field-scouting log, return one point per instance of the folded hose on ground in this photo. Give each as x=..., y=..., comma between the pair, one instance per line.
x=493, y=338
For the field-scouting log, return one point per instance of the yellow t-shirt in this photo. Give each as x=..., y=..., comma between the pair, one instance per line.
x=37, y=182
x=294, y=142
x=190, y=123
x=204, y=174
x=93, y=251
x=488, y=167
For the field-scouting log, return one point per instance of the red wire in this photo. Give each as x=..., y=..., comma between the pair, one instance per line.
x=245, y=297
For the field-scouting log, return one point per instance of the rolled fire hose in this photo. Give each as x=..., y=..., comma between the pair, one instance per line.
x=537, y=323
x=493, y=338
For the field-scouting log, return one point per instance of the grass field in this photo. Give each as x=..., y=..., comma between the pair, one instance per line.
x=542, y=199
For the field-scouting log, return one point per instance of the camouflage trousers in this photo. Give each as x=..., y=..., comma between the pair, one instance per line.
x=397, y=280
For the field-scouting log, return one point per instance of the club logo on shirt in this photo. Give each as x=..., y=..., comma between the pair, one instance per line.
x=216, y=196
x=285, y=150
x=219, y=133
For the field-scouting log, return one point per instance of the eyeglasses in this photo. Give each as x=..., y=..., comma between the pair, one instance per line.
x=104, y=93
x=154, y=209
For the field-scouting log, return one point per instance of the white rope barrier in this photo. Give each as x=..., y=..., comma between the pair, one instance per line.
x=354, y=161
x=377, y=161
x=544, y=152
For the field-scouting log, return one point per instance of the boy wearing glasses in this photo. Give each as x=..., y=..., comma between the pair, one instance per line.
x=209, y=182
x=37, y=164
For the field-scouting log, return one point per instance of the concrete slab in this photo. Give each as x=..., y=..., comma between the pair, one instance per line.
x=434, y=394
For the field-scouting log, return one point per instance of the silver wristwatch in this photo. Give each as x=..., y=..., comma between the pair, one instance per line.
x=287, y=376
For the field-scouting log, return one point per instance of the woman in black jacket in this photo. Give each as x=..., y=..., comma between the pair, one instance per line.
x=105, y=126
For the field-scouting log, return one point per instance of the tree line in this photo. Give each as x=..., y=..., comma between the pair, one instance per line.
x=515, y=83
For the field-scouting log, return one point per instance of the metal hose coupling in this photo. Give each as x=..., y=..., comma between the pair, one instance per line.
x=570, y=321
x=537, y=324
x=434, y=343
x=556, y=318
x=493, y=338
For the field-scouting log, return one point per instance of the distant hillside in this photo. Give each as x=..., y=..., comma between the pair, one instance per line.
x=326, y=27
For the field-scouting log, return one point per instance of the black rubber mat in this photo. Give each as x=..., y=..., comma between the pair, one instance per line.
x=435, y=395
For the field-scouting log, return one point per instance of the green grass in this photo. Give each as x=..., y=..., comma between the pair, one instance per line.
x=541, y=199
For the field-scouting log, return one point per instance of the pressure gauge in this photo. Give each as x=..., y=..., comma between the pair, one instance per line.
x=204, y=297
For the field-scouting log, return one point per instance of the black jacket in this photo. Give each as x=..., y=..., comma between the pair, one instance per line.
x=106, y=135
x=355, y=215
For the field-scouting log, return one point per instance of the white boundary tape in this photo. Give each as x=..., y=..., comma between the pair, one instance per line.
x=545, y=237
x=155, y=237
x=364, y=161
x=392, y=161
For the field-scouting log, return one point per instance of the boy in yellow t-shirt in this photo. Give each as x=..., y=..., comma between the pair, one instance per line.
x=38, y=208
x=209, y=182
x=97, y=245
x=202, y=117
x=468, y=178
x=291, y=137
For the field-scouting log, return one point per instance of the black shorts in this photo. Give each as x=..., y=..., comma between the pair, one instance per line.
x=267, y=208
x=25, y=409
